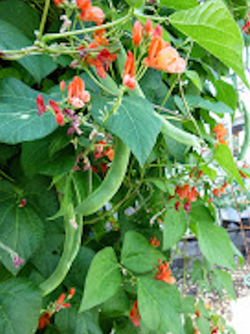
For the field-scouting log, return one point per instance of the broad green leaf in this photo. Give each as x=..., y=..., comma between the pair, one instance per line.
x=11, y=38
x=224, y=158
x=159, y=305
x=7, y=151
x=103, y=279
x=188, y=327
x=18, y=114
x=179, y=4
x=134, y=123
x=71, y=322
x=175, y=149
x=137, y=253
x=188, y=305
x=200, y=213
x=116, y=306
x=225, y=281
x=215, y=245
x=211, y=173
x=78, y=272
x=175, y=226
x=212, y=26
x=194, y=77
x=125, y=328
x=216, y=107
x=36, y=156
x=226, y=94
x=203, y=325
x=21, y=228
x=20, y=304
x=16, y=12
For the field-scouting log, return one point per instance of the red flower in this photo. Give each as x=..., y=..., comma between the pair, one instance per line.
x=154, y=242
x=183, y=191
x=220, y=132
x=164, y=273
x=135, y=315
x=55, y=107
x=72, y=292
x=137, y=33
x=104, y=167
x=246, y=27
x=192, y=195
x=187, y=206
x=77, y=95
x=99, y=39
x=177, y=204
x=63, y=86
x=162, y=56
x=129, y=72
x=44, y=320
x=148, y=27
x=41, y=108
x=58, y=2
x=60, y=119
x=101, y=62
x=110, y=154
x=60, y=302
x=216, y=192
x=90, y=13
x=22, y=203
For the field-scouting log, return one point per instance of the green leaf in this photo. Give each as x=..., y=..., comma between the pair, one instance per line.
x=12, y=38
x=200, y=213
x=215, y=245
x=69, y=321
x=225, y=281
x=179, y=4
x=203, y=325
x=20, y=304
x=224, y=158
x=18, y=118
x=188, y=305
x=116, y=306
x=135, y=3
x=200, y=102
x=134, y=123
x=17, y=12
x=36, y=157
x=194, y=77
x=137, y=253
x=21, y=229
x=226, y=94
x=175, y=226
x=103, y=279
x=212, y=26
x=159, y=305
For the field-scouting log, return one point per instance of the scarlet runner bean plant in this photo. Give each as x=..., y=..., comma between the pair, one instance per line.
x=112, y=153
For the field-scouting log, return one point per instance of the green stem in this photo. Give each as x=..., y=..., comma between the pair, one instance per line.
x=98, y=82
x=44, y=19
x=50, y=37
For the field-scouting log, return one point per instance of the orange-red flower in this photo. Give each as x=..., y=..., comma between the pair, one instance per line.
x=99, y=39
x=154, y=242
x=148, y=27
x=77, y=95
x=41, y=108
x=183, y=191
x=137, y=33
x=58, y=2
x=90, y=13
x=162, y=56
x=58, y=112
x=164, y=273
x=110, y=154
x=216, y=192
x=101, y=62
x=129, y=72
x=192, y=195
x=44, y=320
x=135, y=315
x=220, y=133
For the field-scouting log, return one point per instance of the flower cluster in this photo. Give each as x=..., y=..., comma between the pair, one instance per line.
x=164, y=273
x=220, y=134
x=77, y=97
x=154, y=242
x=186, y=194
x=218, y=191
x=54, y=307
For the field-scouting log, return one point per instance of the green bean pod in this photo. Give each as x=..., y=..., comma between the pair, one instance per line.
x=72, y=243
x=111, y=183
x=247, y=133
